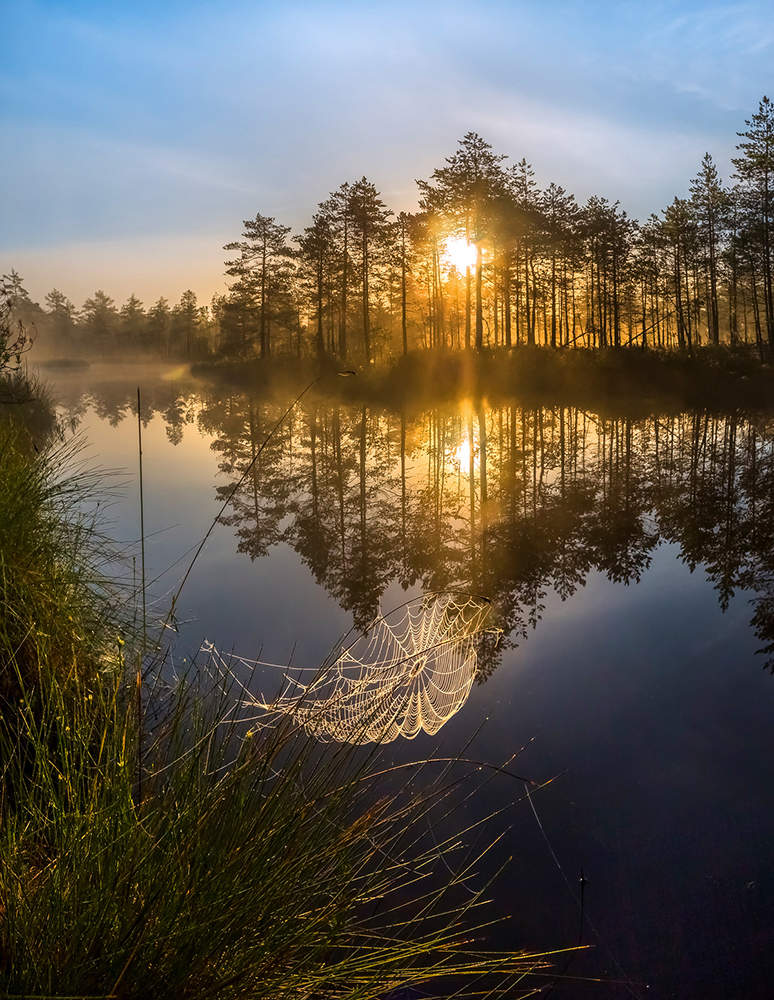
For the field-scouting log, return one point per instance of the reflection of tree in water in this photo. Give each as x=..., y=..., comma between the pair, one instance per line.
x=179, y=411
x=114, y=400
x=621, y=534
x=511, y=502
x=258, y=508
x=516, y=502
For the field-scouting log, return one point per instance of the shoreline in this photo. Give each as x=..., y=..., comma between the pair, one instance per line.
x=624, y=380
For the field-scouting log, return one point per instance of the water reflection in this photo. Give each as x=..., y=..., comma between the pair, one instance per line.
x=503, y=500
x=644, y=697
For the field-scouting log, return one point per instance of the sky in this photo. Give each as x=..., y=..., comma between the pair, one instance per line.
x=135, y=137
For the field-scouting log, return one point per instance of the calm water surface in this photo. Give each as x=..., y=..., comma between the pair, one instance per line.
x=631, y=566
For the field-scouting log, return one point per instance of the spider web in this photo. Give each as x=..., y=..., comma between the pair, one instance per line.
x=409, y=672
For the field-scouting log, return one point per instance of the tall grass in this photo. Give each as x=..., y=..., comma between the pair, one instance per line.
x=264, y=867
x=58, y=614
x=255, y=863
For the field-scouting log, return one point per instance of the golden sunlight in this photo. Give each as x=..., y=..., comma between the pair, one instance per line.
x=461, y=455
x=458, y=253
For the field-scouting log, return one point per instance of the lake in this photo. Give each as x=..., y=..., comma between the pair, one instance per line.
x=630, y=565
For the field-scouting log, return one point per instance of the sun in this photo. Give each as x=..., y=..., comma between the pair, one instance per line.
x=458, y=253
x=461, y=455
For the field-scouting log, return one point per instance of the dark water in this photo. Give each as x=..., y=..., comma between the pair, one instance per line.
x=631, y=565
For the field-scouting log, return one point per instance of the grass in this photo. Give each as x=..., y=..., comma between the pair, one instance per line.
x=25, y=402
x=254, y=863
x=55, y=604
x=257, y=867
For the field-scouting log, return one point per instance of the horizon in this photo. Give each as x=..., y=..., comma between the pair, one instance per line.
x=136, y=133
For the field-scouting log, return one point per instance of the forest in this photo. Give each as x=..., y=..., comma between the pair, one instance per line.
x=488, y=260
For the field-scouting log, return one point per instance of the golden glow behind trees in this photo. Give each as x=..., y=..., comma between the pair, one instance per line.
x=489, y=260
x=459, y=253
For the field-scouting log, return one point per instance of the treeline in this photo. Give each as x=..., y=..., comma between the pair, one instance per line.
x=184, y=330
x=488, y=260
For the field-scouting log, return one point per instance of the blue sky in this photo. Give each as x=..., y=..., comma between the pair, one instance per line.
x=136, y=136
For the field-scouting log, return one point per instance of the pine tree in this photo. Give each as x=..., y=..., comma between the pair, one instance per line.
x=709, y=203
x=465, y=190
x=316, y=247
x=370, y=223
x=523, y=197
x=755, y=169
x=101, y=318
x=338, y=207
x=263, y=257
x=186, y=320
x=132, y=323
x=157, y=326
x=559, y=210
x=63, y=316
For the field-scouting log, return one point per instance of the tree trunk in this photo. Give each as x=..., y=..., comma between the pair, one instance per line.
x=403, y=285
x=366, y=314
x=264, y=348
x=479, y=304
x=507, y=295
x=344, y=291
x=467, y=289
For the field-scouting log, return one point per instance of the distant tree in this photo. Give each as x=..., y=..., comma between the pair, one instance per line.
x=62, y=314
x=730, y=257
x=186, y=321
x=559, y=211
x=133, y=323
x=101, y=320
x=282, y=297
x=404, y=250
x=680, y=232
x=339, y=213
x=315, y=251
x=465, y=190
x=521, y=233
x=237, y=321
x=750, y=253
x=428, y=230
x=648, y=274
x=157, y=326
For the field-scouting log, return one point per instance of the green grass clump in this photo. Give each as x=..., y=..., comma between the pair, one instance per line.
x=55, y=607
x=261, y=867
x=152, y=846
